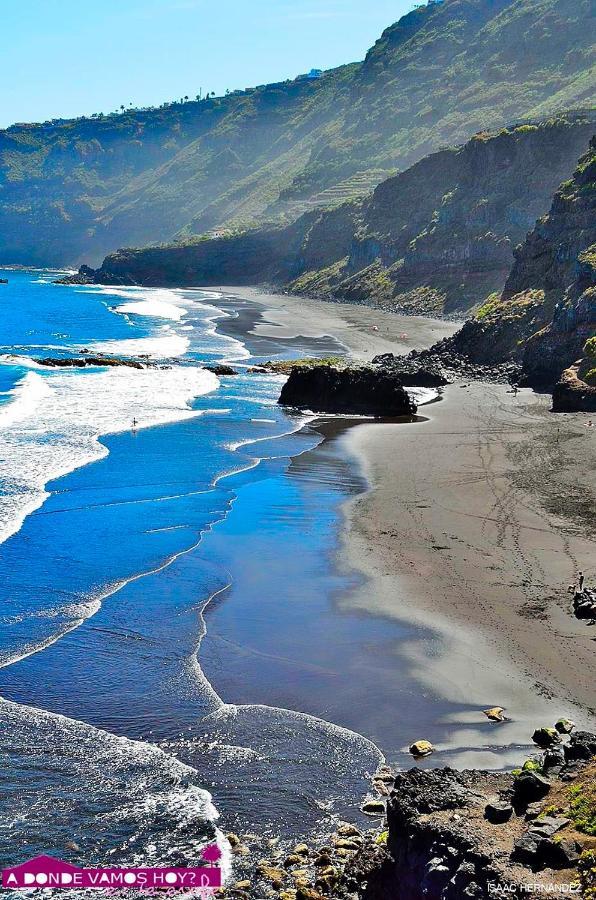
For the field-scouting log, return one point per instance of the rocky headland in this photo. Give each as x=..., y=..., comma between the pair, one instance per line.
x=442, y=834
x=435, y=239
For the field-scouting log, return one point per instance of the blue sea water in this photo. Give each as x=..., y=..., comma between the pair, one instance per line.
x=120, y=545
x=172, y=629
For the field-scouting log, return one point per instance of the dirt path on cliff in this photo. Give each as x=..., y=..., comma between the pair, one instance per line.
x=476, y=523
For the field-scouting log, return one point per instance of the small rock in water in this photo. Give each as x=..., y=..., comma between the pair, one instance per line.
x=373, y=807
x=385, y=774
x=307, y=893
x=347, y=830
x=243, y=885
x=564, y=726
x=233, y=839
x=421, y=748
x=381, y=788
x=271, y=873
x=347, y=844
x=495, y=714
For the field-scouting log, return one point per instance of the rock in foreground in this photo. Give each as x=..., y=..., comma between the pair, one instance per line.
x=572, y=394
x=354, y=390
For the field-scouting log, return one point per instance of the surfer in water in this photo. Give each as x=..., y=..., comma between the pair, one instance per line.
x=134, y=424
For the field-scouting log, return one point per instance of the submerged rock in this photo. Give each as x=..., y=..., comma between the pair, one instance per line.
x=358, y=390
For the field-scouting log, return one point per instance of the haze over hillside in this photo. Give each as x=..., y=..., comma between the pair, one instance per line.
x=75, y=190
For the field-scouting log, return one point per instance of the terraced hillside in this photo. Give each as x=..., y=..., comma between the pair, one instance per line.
x=74, y=190
x=437, y=238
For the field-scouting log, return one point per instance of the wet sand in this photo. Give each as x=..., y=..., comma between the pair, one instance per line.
x=365, y=332
x=475, y=524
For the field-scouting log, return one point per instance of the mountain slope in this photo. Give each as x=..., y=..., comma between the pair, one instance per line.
x=547, y=310
x=77, y=189
x=438, y=237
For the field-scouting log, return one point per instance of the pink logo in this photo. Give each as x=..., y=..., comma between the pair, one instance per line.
x=47, y=872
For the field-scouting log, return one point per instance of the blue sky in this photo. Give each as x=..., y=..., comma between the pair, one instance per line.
x=73, y=57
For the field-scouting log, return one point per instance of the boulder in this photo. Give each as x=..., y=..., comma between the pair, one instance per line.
x=546, y=737
x=530, y=787
x=358, y=390
x=498, y=812
x=582, y=745
x=421, y=748
x=564, y=726
x=221, y=369
x=571, y=394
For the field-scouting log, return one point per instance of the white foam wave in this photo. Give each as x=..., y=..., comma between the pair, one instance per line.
x=54, y=423
x=166, y=344
x=158, y=303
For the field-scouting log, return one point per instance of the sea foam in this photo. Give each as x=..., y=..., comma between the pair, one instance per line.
x=54, y=422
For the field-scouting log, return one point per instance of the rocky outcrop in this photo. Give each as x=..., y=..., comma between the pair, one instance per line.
x=454, y=835
x=80, y=362
x=85, y=275
x=547, y=311
x=571, y=394
x=353, y=390
x=436, y=238
x=413, y=372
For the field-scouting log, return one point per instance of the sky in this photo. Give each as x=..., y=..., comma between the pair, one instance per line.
x=63, y=58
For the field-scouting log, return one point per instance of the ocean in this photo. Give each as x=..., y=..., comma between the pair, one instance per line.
x=171, y=649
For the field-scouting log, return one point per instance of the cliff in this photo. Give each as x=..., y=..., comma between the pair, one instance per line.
x=436, y=238
x=78, y=189
x=476, y=834
x=547, y=310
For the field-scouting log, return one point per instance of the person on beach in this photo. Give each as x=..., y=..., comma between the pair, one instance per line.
x=580, y=581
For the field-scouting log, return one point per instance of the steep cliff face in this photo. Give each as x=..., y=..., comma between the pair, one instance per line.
x=73, y=190
x=438, y=237
x=547, y=310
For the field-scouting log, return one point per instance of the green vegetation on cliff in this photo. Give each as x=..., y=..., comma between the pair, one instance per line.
x=546, y=316
x=73, y=190
x=438, y=237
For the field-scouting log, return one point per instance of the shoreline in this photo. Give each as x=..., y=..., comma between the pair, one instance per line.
x=363, y=330
x=454, y=538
